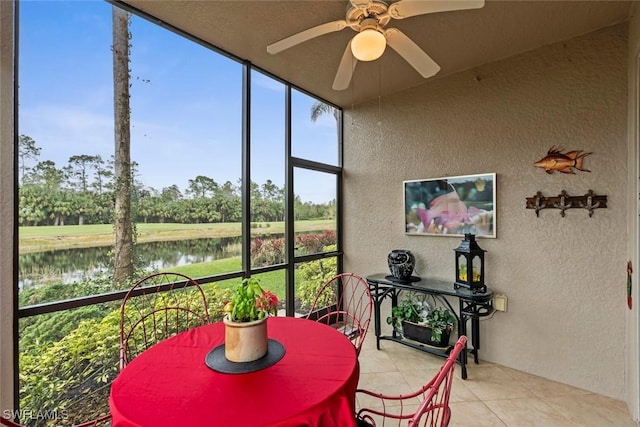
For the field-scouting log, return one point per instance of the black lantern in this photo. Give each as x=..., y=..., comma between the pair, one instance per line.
x=470, y=265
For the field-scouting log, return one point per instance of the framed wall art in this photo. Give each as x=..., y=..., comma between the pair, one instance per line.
x=451, y=206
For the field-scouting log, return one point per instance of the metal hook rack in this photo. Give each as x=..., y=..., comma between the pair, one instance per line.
x=564, y=201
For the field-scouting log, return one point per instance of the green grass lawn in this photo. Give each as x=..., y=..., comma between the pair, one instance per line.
x=44, y=238
x=227, y=229
x=273, y=280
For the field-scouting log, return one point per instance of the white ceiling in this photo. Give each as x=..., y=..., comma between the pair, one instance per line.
x=455, y=40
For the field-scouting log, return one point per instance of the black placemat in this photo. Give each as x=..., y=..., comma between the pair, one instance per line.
x=218, y=362
x=409, y=280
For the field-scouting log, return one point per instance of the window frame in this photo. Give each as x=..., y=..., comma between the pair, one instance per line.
x=290, y=164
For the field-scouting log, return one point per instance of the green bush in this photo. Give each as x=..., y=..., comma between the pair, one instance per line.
x=312, y=276
x=71, y=373
x=316, y=242
x=61, y=291
x=49, y=328
x=267, y=251
x=69, y=359
x=271, y=251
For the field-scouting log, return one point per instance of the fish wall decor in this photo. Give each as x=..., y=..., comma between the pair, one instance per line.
x=556, y=160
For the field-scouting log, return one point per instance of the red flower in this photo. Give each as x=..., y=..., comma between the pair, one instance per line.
x=268, y=302
x=272, y=299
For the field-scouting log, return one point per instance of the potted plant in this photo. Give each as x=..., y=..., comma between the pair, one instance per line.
x=441, y=322
x=246, y=337
x=419, y=321
x=250, y=302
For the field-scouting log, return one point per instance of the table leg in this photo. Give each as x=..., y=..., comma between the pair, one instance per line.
x=462, y=330
x=377, y=300
x=394, y=303
x=475, y=338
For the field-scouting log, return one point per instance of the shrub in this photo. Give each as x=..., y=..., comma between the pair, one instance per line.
x=69, y=359
x=267, y=251
x=315, y=242
x=271, y=251
x=72, y=373
x=312, y=276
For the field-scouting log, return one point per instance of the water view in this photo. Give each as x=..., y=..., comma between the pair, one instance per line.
x=72, y=265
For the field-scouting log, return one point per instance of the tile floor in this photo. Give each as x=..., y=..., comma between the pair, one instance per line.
x=492, y=395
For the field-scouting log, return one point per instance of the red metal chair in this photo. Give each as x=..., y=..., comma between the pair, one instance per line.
x=432, y=411
x=102, y=421
x=158, y=307
x=345, y=303
x=6, y=422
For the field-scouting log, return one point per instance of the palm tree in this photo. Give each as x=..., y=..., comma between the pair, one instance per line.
x=123, y=264
x=320, y=108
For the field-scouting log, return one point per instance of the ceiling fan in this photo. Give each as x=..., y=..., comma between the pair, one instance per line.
x=369, y=18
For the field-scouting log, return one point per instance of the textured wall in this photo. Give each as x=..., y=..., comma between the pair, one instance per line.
x=633, y=129
x=7, y=237
x=564, y=277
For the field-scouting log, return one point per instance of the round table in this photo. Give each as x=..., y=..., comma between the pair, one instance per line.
x=312, y=385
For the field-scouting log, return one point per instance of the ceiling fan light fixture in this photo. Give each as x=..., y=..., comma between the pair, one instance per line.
x=368, y=45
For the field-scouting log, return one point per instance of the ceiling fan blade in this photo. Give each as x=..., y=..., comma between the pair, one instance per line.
x=408, y=8
x=412, y=53
x=305, y=35
x=345, y=69
x=362, y=4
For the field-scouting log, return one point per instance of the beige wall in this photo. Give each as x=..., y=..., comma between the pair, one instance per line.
x=564, y=277
x=6, y=205
x=633, y=132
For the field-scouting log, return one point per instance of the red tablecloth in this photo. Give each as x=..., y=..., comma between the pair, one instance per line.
x=169, y=384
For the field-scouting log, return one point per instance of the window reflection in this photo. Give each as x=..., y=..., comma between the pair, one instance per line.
x=314, y=211
x=310, y=276
x=314, y=129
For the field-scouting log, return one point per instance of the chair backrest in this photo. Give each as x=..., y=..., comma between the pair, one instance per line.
x=434, y=409
x=9, y=423
x=158, y=307
x=345, y=303
x=397, y=410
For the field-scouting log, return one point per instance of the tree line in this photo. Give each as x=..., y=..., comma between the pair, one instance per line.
x=83, y=192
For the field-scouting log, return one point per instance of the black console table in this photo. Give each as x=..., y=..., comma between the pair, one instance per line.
x=472, y=306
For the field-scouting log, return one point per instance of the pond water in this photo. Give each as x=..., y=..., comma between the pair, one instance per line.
x=71, y=265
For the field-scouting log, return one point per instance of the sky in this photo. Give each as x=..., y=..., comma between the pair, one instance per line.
x=185, y=103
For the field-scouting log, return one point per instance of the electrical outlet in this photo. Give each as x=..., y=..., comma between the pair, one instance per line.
x=500, y=302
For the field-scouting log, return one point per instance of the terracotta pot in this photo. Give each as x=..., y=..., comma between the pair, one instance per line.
x=245, y=341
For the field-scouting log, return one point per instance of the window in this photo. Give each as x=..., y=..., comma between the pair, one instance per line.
x=314, y=129
x=314, y=211
x=187, y=134
x=267, y=171
x=310, y=276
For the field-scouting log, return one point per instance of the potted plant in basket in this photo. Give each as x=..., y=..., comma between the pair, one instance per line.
x=419, y=321
x=245, y=321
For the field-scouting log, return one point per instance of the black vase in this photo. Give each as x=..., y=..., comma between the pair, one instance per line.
x=401, y=263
